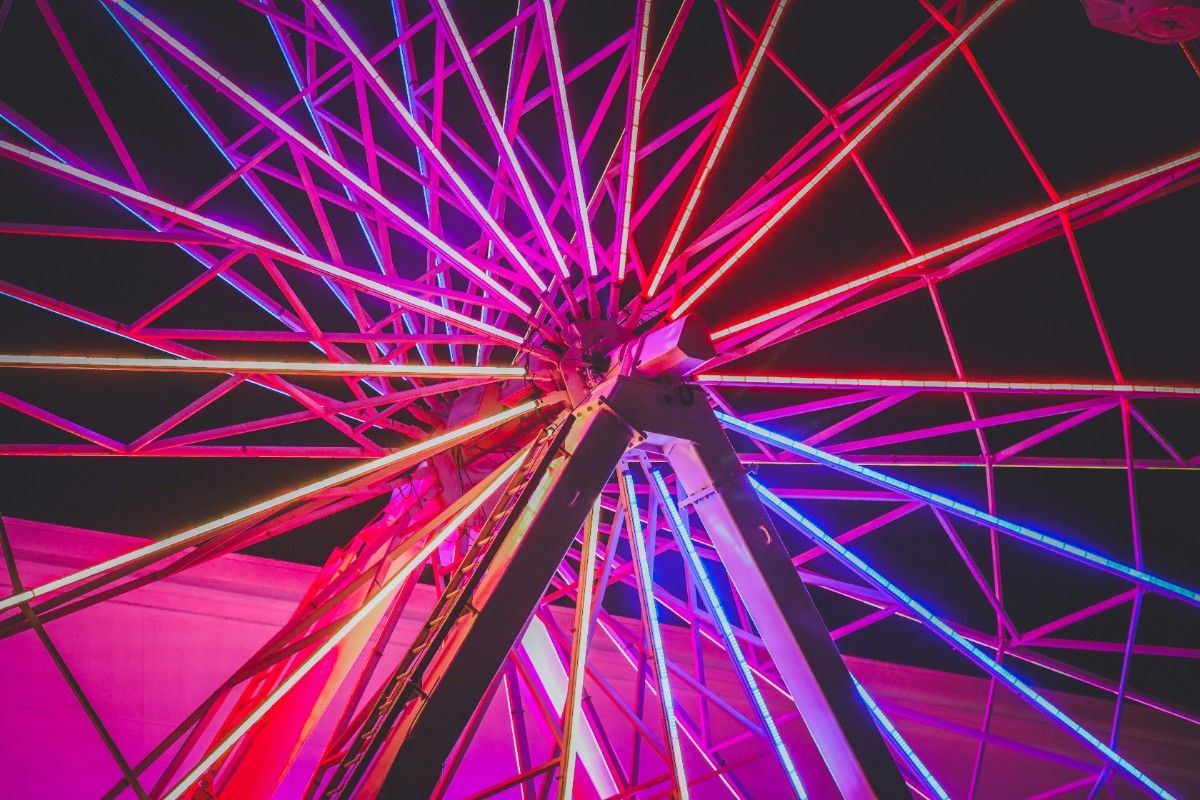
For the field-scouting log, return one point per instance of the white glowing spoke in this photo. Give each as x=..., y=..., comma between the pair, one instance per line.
x=714, y=149
x=319, y=154
x=496, y=127
x=420, y=450
x=259, y=367
x=572, y=713
x=211, y=225
x=732, y=648
x=841, y=155
x=384, y=594
x=564, y=113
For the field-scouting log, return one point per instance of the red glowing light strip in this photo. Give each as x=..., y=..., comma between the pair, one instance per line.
x=729, y=115
x=1031, y=387
x=966, y=241
x=849, y=147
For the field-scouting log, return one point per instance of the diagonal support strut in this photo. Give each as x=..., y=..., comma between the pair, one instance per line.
x=664, y=417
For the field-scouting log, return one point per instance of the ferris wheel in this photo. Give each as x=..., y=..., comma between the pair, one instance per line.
x=637, y=332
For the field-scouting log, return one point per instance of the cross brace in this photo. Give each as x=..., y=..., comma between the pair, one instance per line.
x=530, y=536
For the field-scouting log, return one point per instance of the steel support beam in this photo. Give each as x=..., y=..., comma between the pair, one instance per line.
x=676, y=419
x=662, y=416
x=543, y=527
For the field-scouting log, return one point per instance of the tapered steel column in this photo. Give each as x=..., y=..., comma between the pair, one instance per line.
x=672, y=418
x=537, y=539
x=677, y=420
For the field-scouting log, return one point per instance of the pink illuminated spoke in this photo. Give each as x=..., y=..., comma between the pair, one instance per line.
x=802, y=191
x=567, y=132
x=1174, y=169
x=725, y=122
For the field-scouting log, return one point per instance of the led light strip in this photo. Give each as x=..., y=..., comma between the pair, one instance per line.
x=714, y=150
x=258, y=367
x=564, y=110
x=319, y=154
x=384, y=594
x=415, y=130
x=639, y=79
x=881, y=718
x=1074, y=552
x=981, y=658
x=955, y=246
x=1056, y=387
x=364, y=282
x=887, y=727
x=198, y=533
x=650, y=612
x=838, y=157
x=732, y=648
x=463, y=55
x=572, y=713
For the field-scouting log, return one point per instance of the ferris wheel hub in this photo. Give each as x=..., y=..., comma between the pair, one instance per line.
x=599, y=350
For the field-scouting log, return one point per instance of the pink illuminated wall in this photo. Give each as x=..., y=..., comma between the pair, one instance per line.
x=147, y=658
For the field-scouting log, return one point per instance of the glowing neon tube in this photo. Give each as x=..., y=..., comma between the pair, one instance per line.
x=650, y=612
x=638, y=78
x=193, y=535
x=714, y=148
x=732, y=648
x=258, y=367
x=960, y=643
x=844, y=152
x=568, y=131
x=500, y=138
x=572, y=713
x=935, y=385
x=384, y=594
x=888, y=728
x=357, y=279
x=1074, y=552
x=417, y=132
x=414, y=226
x=966, y=241
x=881, y=718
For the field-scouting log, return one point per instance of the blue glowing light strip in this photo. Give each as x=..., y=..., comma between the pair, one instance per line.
x=960, y=643
x=887, y=727
x=1074, y=552
x=709, y=592
x=650, y=612
x=731, y=646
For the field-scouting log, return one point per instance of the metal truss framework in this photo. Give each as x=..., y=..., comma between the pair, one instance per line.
x=458, y=276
